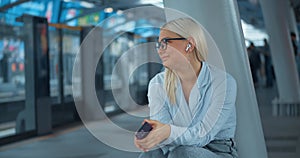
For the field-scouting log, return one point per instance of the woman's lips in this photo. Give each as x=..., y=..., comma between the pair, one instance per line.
x=163, y=58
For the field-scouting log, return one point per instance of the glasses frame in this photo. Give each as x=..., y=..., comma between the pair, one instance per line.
x=158, y=45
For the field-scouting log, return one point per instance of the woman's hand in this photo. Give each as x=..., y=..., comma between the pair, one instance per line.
x=159, y=133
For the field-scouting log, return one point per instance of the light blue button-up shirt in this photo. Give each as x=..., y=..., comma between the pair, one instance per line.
x=210, y=114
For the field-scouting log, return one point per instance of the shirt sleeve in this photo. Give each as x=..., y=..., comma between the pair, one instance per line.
x=158, y=103
x=159, y=109
x=222, y=105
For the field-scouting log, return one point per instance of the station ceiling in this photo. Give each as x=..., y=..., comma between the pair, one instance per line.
x=250, y=10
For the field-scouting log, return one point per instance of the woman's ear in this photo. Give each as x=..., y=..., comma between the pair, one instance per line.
x=188, y=47
x=191, y=44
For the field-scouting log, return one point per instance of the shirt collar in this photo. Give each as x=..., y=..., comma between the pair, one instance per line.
x=203, y=77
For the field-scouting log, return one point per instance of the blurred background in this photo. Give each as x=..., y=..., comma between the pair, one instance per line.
x=39, y=41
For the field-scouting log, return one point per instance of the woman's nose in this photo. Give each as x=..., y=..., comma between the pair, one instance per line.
x=160, y=51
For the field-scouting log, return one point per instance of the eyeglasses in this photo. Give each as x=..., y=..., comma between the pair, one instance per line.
x=164, y=43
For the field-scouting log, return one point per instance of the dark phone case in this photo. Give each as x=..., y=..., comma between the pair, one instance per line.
x=143, y=131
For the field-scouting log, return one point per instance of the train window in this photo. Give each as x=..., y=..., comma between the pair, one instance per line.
x=53, y=61
x=71, y=44
x=12, y=79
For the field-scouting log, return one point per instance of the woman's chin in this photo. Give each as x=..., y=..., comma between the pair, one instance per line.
x=165, y=64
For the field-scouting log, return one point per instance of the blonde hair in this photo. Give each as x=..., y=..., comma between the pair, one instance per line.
x=184, y=27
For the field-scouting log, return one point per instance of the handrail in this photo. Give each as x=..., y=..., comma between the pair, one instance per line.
x=63, y=26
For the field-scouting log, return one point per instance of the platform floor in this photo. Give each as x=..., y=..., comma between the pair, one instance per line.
x=74, y=141
x=282, y=135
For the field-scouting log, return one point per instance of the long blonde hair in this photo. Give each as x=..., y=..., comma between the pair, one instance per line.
x=185, y=27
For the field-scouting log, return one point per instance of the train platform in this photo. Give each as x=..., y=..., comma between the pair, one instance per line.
x=75, y=141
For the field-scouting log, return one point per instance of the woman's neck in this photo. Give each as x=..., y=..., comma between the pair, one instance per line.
x=186, y=75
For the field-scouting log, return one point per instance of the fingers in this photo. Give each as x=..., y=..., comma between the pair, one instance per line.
x=140, y=143
x=149, y=142
x=153, y=138
x=136, y=143
x=147, y=146
x=151, y=121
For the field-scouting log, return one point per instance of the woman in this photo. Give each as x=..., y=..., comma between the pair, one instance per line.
x=192, y=104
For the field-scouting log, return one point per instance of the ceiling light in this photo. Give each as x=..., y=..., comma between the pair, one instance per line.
x=158, y=3
x=119, y=12
x=108, y=10
x=87, y=4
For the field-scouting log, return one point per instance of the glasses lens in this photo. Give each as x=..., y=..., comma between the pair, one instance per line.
x=157, y=45
x=163, y=45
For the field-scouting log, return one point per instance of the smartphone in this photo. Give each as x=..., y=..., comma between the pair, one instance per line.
x=143, y=131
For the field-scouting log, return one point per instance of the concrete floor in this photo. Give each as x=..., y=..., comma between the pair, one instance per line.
x=73, y=142
x=281, y=135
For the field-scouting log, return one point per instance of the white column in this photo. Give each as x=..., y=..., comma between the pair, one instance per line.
x=90, y=46
x=221, y=19
x=281, y=49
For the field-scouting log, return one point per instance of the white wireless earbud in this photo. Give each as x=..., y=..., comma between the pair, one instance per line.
x=188, y=47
